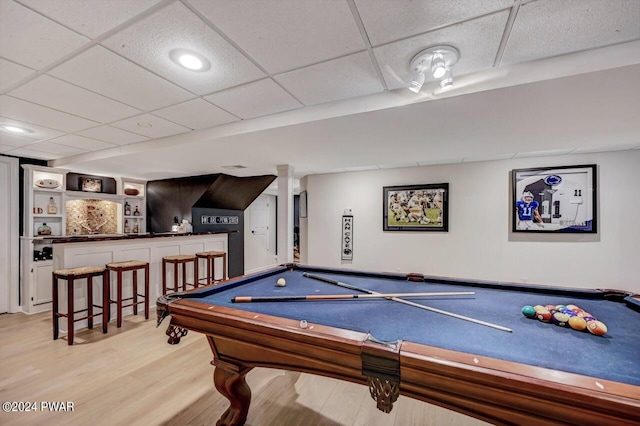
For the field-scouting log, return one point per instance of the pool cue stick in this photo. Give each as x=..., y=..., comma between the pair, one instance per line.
x=406, y=302
x=250, y=299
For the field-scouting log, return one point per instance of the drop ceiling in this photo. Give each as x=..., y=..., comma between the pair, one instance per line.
x=320, y=85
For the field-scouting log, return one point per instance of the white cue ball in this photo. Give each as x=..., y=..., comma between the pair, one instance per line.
x=281, y=282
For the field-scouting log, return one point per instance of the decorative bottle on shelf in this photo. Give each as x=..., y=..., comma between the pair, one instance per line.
x=136, y=228
x=136, y=212
x=127, y=230
x=44, y=230
x=52, y=208
x=127, y=208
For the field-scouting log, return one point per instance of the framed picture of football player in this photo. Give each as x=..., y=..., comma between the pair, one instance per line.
x=416, y=207
x=555, y=199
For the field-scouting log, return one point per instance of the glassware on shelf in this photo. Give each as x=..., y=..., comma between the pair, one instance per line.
x=136, y=212
x=127, y=229
x=127, y=208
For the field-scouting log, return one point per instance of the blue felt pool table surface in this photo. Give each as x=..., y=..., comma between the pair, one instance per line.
x=614, y=356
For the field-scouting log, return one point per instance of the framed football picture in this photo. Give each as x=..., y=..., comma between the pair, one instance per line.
x=555, y=199
x=416, y=207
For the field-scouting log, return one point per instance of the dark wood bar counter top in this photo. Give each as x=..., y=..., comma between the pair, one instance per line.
x=115, y=237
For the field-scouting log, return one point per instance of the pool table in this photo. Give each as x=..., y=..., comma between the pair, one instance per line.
x=521, y=371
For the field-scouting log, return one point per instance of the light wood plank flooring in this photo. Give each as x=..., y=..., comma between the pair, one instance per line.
x=131, y=376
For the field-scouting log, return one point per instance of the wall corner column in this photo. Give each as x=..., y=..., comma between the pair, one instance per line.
x=285, y=214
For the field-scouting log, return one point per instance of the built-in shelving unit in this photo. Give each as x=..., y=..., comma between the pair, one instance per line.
x=134, y=207
x=44, y=217
x=50, y=211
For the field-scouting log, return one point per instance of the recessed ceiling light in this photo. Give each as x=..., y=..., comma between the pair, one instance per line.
x=190, y=60
x=15, y=129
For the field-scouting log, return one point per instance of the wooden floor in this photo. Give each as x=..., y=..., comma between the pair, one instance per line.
x=131, y=376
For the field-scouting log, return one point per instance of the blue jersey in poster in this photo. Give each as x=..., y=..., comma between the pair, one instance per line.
x=526, y=210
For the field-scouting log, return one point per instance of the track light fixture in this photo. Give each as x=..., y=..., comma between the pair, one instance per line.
x=436, y=60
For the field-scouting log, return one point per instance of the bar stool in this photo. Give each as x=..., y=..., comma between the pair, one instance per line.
x=176, y=261
x=210, y=259
x=135, y=266
x=70, y=275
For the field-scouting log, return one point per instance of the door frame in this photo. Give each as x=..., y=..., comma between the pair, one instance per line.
x=10, y=288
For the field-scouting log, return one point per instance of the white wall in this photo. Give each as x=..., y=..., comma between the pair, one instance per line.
x=9, y=224
x=260, y=251
x=480, y=244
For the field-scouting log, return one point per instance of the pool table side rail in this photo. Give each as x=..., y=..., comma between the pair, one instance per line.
x=258, y=340
x=494, y=387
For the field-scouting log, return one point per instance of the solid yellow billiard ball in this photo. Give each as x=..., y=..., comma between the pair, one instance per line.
x=281, y=282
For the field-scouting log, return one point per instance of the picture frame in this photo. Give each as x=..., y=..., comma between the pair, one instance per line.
x=303, y=204
x=416, y=207
x=91, y=184
x=555, y=199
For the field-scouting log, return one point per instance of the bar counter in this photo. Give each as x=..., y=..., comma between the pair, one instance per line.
x=115, y=237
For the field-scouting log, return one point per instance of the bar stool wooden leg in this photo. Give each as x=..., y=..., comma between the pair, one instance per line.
x=135, y=292
x=176, y=284
x=164, y=276
x=119, y=300
x=224, y=267
x=209, y=267
x=196, y=274
x=70, y=310
x=89, y=302
x=106, y=306
x=146, y=292
x=56, y=319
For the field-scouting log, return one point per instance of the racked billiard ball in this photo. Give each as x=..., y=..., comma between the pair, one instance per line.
x=544, y=316
x=577, y=323
x=597, y=327
x=529, y=311
x=558, y=318
x=281, y=282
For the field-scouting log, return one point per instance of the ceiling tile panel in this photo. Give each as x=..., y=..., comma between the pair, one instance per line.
x=150, y=41
x=32, y=153
x=54, y=148
x=196, y=114
x=255, y=99
x=80, y=142
x=549, y=28
x=19, y=109
x=113, y=135
x=57, y=94
x=92, y=17
x=12, y=73
x=390, y=20
x=106, y=73
x=13, y=140
x=31, y=39
x=283, y=35
x=151, y=126
x=346, y=77
x=478, y=42
x=33, y=132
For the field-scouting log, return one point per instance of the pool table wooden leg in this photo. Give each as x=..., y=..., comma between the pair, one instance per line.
x=230, y=380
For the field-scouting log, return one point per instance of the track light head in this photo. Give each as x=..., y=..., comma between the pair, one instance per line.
x=417, y=82
x=438, y=60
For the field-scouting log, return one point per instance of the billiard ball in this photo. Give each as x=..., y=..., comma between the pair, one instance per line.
x=558, y=318
x=577, y=323
x=543, y=315
x=529, y=311
x=303, y=324
x=597, y=327
x=281, y=282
